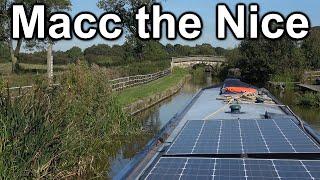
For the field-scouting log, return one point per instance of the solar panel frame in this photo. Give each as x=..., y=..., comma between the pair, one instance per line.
x=242, y=137
x=228, y=168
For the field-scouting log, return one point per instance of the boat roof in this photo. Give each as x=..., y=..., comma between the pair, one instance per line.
x=207, y=141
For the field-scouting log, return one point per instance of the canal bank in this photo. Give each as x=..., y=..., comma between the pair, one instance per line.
x=149, y=101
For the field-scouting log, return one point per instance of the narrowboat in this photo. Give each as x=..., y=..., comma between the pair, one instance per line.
x=230, y=131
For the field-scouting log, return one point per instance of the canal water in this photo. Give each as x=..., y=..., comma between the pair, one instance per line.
x=289, y=97
x=155, y=118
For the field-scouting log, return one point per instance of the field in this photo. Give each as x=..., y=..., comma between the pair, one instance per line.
x=29, y=73
x=133, y=94
x=5, y=68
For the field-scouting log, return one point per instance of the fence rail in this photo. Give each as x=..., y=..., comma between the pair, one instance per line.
x=116, y=84
x=16, y=92
x=126, y=82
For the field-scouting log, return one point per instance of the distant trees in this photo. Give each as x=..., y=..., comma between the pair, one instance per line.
x=154, y=51
x=121, y=55
x=75, y=53
x=105, y=55
x=204, y=49
x=311, y=48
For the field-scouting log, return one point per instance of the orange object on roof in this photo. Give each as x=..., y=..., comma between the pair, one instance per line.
x=240, y=90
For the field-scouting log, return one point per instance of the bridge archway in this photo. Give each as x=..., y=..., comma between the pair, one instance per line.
x=207, y=67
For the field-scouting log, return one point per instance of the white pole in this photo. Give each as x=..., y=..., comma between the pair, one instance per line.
x=50, y=64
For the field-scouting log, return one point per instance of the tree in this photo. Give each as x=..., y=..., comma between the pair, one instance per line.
x=311, y=48
x=182, y=50
x=204, y=49
x=5, y=5
x=220, y=51
x=262, y=57
x=154, y=51
x=75, y=53
x=127, y=9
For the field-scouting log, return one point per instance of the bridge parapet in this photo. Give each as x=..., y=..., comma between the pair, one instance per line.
x=199, y=58
x=187, y=62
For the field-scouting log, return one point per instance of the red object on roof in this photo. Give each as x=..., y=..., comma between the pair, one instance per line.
x=240, y=90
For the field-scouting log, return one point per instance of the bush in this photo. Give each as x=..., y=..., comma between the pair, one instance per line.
x=309, y=99
x=63, y=132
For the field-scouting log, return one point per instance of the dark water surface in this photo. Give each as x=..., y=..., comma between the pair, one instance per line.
x=288, y=97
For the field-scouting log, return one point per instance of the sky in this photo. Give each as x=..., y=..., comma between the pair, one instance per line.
x=206, y=9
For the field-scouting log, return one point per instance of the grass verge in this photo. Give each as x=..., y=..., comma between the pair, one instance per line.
x=134, y=94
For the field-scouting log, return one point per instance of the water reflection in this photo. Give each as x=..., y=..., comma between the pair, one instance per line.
x=289, y=97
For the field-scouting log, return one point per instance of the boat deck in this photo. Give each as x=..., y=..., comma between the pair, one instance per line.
x=208, y=107
x=209, y=142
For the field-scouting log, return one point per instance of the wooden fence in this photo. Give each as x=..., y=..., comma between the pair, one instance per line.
x=16, y=92
x=126, y=82
x=116, y=84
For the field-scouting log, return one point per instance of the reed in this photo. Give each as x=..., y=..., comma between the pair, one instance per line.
x=62, y=132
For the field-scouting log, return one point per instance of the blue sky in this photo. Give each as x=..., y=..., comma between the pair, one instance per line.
x=206, y=9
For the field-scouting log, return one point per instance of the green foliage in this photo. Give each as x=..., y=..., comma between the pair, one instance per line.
x=105, y=55
x=198, y=75
x=204, y=49
x=154, y=56
x=4, y=53
x=126, y=9
x=309, y=99
x=311, y=48
x=258, y=59
x=154, y=51
x=63, y=132
x=145, y=67
x=281, y=60
x=75, y=53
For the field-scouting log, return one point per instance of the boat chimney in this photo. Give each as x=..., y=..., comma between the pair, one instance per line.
x=235, y=109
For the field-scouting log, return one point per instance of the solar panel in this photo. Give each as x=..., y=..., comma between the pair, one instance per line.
x=242, y=137
x=206, y=168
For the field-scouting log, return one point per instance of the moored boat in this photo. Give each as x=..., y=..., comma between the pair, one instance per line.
x=231, y=131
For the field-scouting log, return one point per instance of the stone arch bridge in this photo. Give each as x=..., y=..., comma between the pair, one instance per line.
x=193, y=61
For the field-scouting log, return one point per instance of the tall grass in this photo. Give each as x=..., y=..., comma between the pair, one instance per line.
x=63, y=132
x=198, y=75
